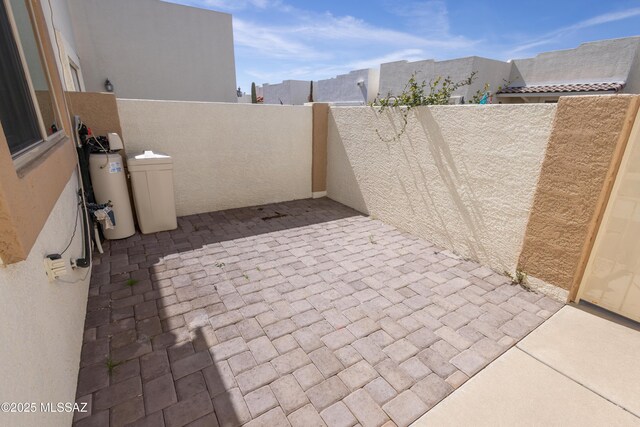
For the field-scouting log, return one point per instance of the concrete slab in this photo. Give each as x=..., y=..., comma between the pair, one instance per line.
x=516, y=389
x=595, y=352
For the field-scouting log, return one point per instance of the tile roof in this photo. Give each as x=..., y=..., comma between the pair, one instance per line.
x=575, y=87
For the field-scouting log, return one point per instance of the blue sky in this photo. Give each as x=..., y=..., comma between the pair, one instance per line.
x=277, y=40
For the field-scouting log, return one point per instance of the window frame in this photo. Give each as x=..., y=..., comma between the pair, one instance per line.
x=23, y=158
x=76, y=75
x=28, y=195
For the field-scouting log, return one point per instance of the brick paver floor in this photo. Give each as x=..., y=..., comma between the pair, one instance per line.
x=303, y=313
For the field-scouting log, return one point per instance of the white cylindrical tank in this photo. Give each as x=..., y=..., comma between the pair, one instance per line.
x=152, y=185
x=110, y=184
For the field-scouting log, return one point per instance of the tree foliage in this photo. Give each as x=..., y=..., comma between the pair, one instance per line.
x=437, y=92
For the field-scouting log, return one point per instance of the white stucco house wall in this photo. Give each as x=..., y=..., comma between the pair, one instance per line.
x=357, y=87
x=604, y=66
x=289, y=92
x=600, y=67
x=150, y=49
x=395, y=75
x=61, y=33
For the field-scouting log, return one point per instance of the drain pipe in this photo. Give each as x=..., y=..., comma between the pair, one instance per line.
x=85, y=261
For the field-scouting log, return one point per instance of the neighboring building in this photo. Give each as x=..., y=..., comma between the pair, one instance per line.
x=601, y=67
x=358, y=87
x=60, y=29
x=245, y=98
x=150, y=49
x=395, y=75
x=289, y=92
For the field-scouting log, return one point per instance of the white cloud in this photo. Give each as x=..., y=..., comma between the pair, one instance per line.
x=275, y=41
x=306, y=72
x=399, y=55
x=235, y=5
x=558, y=34
x=269, y=42
x=427, y=17
x=605, y=18
x=313, y=46
x=309, y=34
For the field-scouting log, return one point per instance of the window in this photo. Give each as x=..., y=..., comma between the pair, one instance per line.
x=75, y=73
x=36, y=162
x=27, y=113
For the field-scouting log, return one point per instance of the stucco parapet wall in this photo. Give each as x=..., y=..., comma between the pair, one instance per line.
x=225, y=155
x=462, y=177
x=352, y=87
x=585, y=134
x=592, y=62
x=394, y=75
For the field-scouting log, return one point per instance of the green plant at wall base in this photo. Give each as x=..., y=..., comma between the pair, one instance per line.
x=132, y=282
x=437, y=92
x=254, y=94
x=519, y=278
x=111, y=365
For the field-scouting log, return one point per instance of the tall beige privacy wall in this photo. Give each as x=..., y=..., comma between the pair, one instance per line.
x=462, y=177
x=225, y=155
x=585, y=147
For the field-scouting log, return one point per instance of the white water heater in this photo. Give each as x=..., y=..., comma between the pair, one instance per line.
x=110, y=184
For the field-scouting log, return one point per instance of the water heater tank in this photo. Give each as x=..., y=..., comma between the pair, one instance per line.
x=109, y=184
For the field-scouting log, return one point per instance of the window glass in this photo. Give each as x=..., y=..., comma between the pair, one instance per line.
x=26, y=104
x=19, y=119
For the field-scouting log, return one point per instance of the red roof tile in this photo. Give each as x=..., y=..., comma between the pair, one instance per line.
x=576, y=87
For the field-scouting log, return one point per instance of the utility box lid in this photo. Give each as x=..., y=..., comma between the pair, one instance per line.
x=149, y=158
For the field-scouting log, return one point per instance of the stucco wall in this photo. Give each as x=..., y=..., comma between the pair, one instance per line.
x=584, y=137
x=43, y=322
x=98, y=111
x=58, y=18
x=225, y=155
x=319, y=166
x=462, y=177
x=345, y=88
x=152, y=49
x=633, y=80
x=289, y=92
x=595, y=62
x=395, y=75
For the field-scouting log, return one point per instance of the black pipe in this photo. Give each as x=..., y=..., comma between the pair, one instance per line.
x=84, y=262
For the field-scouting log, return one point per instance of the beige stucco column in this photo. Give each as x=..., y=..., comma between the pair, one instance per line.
x=319, y=165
